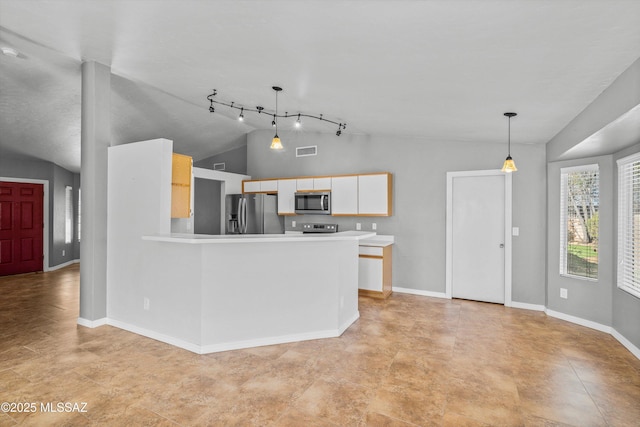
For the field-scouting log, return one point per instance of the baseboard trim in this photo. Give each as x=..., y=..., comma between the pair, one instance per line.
x=579, y=321
x=63, y=265
x=232, y=345
x=283, y=339
x=91, y=323
x=420, y=292
x=625, y=342
x=558, y=315
x=348, y=323
x=527, y=306
x=156, y=336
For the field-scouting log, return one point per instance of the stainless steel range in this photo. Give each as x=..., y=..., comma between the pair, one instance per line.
x=319, y=228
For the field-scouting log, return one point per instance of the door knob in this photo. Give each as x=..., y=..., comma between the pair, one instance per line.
x=501, y=245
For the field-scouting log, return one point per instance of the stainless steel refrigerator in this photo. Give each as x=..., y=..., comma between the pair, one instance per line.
x=253, y=214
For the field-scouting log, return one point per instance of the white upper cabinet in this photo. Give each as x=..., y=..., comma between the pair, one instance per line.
x=314, y=184
x=260, y=186
x=270, y=185
x=362, y=195
x=344, y=195
x=374, y=194
x=251, y=186
x=286, y=192
x=322, y=183
x=305, y=184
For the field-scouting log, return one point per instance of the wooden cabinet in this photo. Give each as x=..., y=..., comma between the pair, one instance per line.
x=374, y=271
x=374, y=194
x=286, y=196
x=344, y=195
x=181, y=178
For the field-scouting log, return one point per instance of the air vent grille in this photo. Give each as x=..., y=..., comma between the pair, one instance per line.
x=218, y=166
x=312, y=150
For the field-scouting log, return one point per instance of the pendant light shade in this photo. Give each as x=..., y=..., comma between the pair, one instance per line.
x=509, y=165
x=275, y=142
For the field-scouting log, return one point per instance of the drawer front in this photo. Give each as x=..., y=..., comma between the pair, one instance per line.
x=371, y=250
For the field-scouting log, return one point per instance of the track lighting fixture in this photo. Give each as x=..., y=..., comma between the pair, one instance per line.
x=509, y=165
x=276, y=144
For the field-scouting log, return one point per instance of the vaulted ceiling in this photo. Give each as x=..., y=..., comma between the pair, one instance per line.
x=439, y=70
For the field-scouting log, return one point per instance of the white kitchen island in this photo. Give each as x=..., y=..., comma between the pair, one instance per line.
x=215, y=293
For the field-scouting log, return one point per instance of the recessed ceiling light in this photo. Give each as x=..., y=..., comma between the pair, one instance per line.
x=9, y=51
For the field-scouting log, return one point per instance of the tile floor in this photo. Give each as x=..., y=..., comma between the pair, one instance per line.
x=408, y=361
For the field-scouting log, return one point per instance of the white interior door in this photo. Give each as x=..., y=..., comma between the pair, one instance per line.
x=477, y=240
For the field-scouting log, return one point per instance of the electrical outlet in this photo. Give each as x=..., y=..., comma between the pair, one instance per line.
x=374, y=226
x=563, y=293
x=293, y=224
x=63, y=252
x=146, y=303
x=358, y=226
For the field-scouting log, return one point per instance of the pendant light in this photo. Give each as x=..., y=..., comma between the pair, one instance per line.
x=509, y=165
x=275, y=142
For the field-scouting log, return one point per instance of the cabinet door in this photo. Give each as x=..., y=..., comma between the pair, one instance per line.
x=269, y=185
x=322, y=183
x=370, y=274
x=305, y=184
x=344, y=195
x=374, y=194
x=181, y=176
x=286, y=193
x=251, y=187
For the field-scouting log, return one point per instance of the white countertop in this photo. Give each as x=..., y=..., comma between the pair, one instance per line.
x=378, y=240
x=258, y=238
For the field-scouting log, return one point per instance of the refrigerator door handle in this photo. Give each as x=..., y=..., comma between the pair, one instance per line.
x=244, y=215
x=239, y=215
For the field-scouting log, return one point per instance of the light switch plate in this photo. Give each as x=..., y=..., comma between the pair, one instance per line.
x=515, y=231
x=358, y=226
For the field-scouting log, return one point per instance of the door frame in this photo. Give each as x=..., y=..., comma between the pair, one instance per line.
x=45, y=214
x=507, y=228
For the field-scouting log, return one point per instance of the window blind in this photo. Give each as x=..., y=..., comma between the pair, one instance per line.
x=629, y=224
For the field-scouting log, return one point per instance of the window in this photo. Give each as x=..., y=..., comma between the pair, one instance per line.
x=79, y=212
x=579, y=206
x=68, y=214
x=629, y=224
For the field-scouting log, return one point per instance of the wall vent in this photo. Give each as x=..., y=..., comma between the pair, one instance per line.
x=218, y=166
x=312, y=150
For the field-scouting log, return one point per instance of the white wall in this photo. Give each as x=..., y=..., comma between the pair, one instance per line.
x=587, y=299
x=419, y=168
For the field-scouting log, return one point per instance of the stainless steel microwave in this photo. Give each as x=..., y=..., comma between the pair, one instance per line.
x=317, y=203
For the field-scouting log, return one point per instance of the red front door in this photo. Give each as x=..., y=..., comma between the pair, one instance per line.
x=21, y=227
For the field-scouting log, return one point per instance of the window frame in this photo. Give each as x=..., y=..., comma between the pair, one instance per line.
x=564, y=244
x=625, y=218
x=68, y=214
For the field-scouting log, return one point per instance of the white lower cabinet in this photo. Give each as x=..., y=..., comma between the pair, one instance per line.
x=374, y=271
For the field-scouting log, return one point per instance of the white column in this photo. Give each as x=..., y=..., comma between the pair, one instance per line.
x=95, y=138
